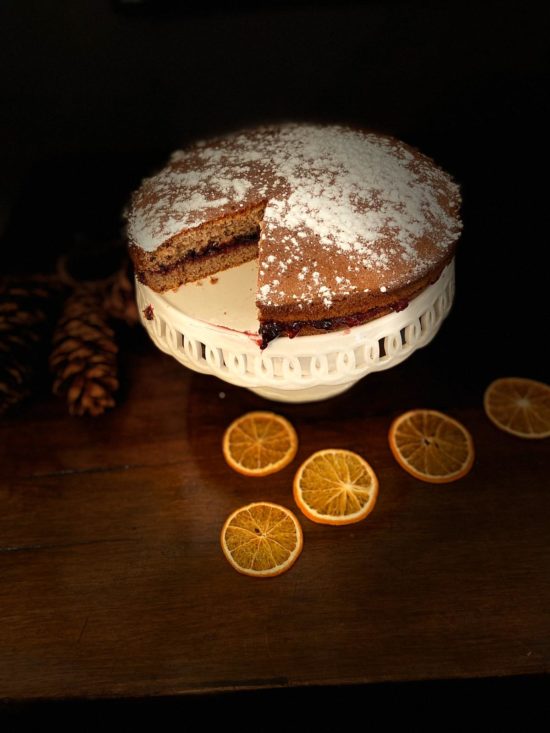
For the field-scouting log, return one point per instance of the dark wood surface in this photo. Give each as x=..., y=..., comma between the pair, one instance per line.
x=114, y=584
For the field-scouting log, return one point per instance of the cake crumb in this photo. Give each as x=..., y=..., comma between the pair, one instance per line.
x=149, y=312
x=213, y=279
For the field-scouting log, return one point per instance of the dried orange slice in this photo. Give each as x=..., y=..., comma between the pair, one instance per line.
x=262, y=539
x=431, y=446
x=259, y=443
x=519, y=406
x=335, y=486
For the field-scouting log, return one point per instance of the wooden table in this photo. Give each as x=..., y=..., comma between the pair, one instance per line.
x=114, y=584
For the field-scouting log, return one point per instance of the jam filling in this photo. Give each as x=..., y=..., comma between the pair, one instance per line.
x=211, y=248
x=270, y=330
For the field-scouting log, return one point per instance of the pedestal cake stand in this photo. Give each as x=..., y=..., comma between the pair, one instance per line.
x=211, y=327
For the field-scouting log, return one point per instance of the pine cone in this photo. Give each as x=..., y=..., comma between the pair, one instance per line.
x=83, y=359
x=27, y=309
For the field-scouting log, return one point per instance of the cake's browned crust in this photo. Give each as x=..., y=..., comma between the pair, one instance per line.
x=359, y=302
x=351, y=224
x=343, y=315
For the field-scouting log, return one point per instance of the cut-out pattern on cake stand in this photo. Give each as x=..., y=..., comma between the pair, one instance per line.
x=212, y=327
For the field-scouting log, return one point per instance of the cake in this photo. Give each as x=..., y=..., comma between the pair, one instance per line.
x=347, y=224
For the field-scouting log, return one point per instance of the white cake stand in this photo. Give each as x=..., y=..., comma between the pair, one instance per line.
x=212, y=327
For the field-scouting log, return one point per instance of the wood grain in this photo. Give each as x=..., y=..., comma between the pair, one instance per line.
x=114, y=584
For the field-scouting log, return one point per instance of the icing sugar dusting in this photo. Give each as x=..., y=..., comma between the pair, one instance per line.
x=367, y=205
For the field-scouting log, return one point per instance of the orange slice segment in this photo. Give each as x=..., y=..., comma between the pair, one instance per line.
x=262, y=539
x=259, y=443
x=519, y=406
x=431, y=446
x=335, y=486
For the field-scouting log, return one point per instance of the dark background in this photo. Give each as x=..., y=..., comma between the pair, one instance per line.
x=95, y=94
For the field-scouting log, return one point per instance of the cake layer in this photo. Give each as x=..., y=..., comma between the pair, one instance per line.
x=196, y=265
x=241, y=224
